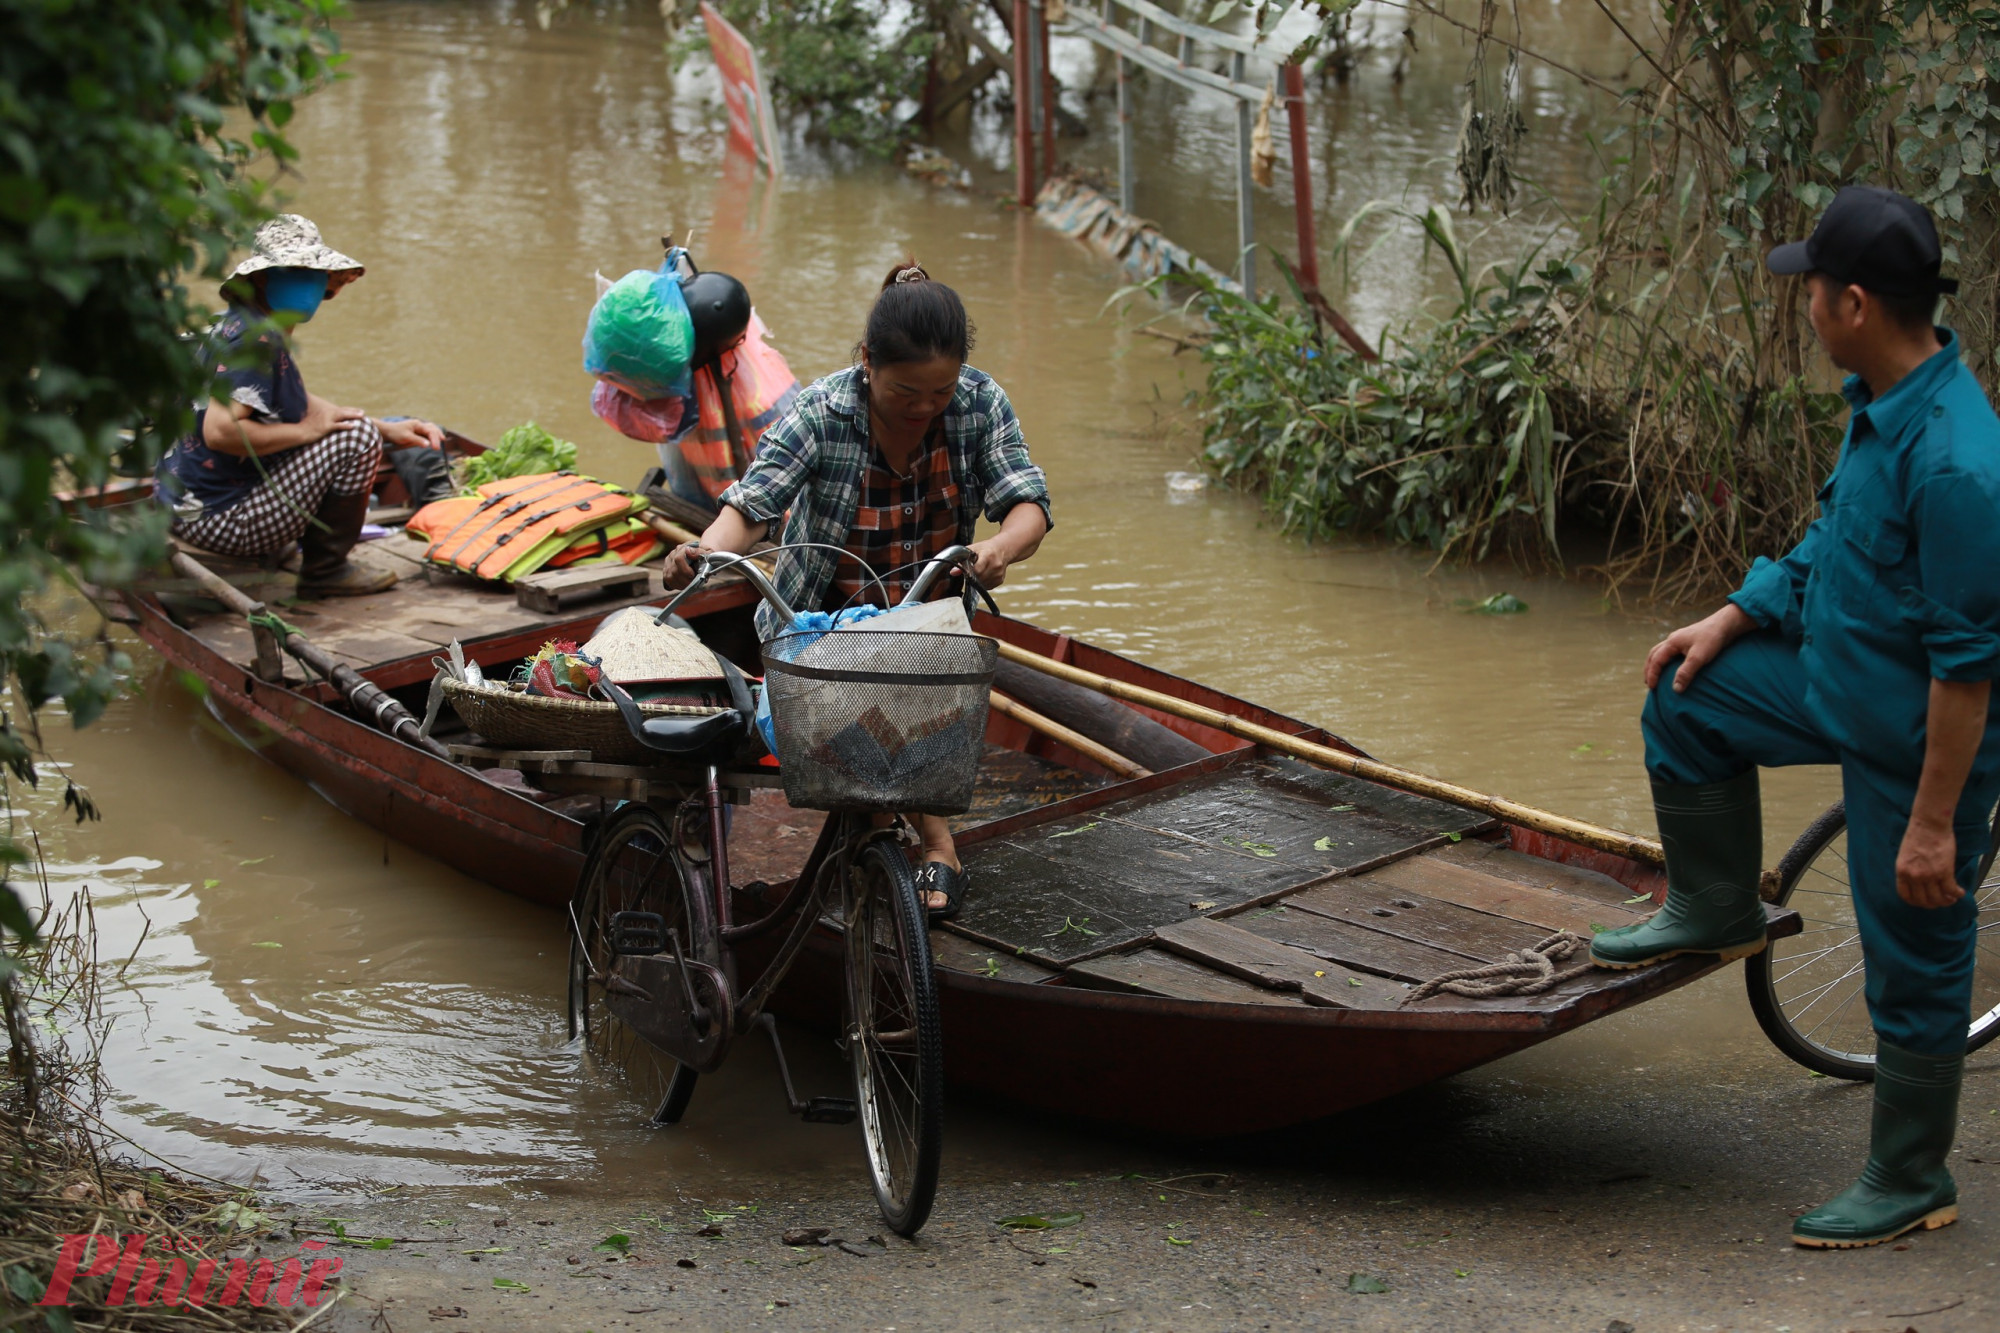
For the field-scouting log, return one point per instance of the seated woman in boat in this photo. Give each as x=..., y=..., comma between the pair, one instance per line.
x=273, y=465
x=891, y=460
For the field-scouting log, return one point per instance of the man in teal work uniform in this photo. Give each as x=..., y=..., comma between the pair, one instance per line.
x=1872, y=645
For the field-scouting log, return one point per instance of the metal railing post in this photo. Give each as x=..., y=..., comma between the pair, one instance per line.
x=1302, y=201
x=1124, y=138
x=1037, y=60
x=1246, y=233
x=1024, y=82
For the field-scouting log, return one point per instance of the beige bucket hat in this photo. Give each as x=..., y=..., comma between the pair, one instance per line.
x=636, y=649
x=291, y=241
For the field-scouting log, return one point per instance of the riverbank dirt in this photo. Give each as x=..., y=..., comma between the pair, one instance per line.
x=1658, y=1197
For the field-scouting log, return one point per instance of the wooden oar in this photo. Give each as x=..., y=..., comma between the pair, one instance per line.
x=1541, y=821
x=1075, y=740
x=366, y=698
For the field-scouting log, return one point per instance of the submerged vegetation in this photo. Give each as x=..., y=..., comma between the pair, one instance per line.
x=1645, y=377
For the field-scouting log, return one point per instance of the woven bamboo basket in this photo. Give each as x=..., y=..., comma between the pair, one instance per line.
x=514, y=720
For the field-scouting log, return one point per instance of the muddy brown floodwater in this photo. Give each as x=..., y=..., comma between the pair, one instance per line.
x=374, y=1037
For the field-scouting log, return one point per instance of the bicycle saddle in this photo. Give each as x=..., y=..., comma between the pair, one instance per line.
x=707, y=739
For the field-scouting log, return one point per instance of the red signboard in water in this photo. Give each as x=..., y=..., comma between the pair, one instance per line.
x=742, y=88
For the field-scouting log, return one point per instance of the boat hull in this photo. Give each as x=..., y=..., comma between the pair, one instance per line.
x=1164, y=1066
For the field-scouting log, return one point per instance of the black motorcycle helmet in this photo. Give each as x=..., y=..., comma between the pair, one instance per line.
x=720, y=307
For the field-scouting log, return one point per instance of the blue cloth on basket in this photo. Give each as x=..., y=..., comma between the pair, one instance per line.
x=812, y=625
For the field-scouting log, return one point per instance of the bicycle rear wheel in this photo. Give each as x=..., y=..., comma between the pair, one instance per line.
x=1807, y=990
x=893, y=1035
x=631, y=869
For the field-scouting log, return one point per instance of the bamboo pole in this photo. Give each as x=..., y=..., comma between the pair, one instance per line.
x=1541, y=821
x=1075, y=740
x=368, y=700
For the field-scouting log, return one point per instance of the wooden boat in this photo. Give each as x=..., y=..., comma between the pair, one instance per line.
x=1223, y=947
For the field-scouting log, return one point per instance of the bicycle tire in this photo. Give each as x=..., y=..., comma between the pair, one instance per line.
x=1780, y=1010
x=898, y=1072
x=631, y=867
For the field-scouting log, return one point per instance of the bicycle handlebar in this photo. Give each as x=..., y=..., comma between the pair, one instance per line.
x=717, y=562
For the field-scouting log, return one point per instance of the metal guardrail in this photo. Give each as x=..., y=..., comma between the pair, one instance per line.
x=1136, y=45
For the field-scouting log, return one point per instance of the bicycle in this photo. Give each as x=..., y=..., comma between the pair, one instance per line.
x=653, y=984
x=1806, y=989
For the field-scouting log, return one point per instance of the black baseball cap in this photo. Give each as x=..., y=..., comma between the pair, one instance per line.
x=1873, y=238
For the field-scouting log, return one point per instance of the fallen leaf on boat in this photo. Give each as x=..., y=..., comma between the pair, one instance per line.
x=1338, y=809
x=1264, y=849
x=1071, y=833
x=1325, y=844
x=1354, y=981
x=267, y=944
x=1319, y=974
x=490, y=1249
x=210, y=883
x=254, y=861
x=1365, y=1285
x=509, y=1284
x=617, y=1240
x=1201, y=907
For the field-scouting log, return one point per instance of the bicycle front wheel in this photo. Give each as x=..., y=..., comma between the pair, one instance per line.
x=893, y=1035
x=1807, y=990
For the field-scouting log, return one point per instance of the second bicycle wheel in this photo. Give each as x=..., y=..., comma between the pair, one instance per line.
x=893, y=1036
x=631, y=869
x=1807, y=990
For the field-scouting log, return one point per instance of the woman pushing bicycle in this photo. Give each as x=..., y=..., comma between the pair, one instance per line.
x=884, y=465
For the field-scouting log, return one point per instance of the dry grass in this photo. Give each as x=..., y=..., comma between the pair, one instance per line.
x=58, y=1179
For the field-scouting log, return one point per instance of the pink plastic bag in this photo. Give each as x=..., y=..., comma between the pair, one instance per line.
x=650, y=419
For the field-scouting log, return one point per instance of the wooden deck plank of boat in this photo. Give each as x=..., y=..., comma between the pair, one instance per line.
x=1363, y=901
x=1158, y=972
x=1548, y=909
x=1364, y=948
x=1229, y=948
x=963, y=955
x=1504, y=863
x=420, y=614
x=1099, y=882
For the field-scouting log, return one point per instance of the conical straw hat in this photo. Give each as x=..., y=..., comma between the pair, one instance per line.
x=636, y=649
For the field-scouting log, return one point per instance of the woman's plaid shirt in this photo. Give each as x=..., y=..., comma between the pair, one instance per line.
x=811, y=463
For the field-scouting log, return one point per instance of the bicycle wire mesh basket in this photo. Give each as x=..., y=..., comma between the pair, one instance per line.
x=879, y=720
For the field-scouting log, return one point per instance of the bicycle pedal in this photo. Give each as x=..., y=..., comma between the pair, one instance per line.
x=638, y=933
x=830, y=1111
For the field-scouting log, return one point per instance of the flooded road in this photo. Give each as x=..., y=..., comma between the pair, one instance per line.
x=310, y=1005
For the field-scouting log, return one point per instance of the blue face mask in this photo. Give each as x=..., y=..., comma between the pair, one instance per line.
x=296, y=291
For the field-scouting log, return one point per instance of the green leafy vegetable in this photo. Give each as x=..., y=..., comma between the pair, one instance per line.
x=525, y=449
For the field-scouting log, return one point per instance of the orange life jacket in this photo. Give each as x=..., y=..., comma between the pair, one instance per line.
x=761, y=389
x=512, y=527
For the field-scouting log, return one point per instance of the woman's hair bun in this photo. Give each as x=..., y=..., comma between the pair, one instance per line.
x=910, y=272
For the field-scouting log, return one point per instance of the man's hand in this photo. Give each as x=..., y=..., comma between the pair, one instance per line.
x=1697, y=645
x=410, y=434
x=1927, y=864
x=682, y=564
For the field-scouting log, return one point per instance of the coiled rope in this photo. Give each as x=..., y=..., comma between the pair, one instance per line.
x=1521, y=972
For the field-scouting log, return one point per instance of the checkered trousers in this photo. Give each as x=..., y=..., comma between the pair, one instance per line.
x=273, y=514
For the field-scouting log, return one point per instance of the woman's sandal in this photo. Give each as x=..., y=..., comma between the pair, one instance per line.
x=937, y=877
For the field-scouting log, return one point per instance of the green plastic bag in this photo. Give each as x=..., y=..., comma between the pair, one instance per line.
x=640, y=336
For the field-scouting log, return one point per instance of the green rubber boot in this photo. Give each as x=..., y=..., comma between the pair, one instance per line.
x=1905, y=1184
x=1714, y=836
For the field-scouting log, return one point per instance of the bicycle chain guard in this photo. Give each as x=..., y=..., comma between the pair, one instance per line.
x=659, y=1011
